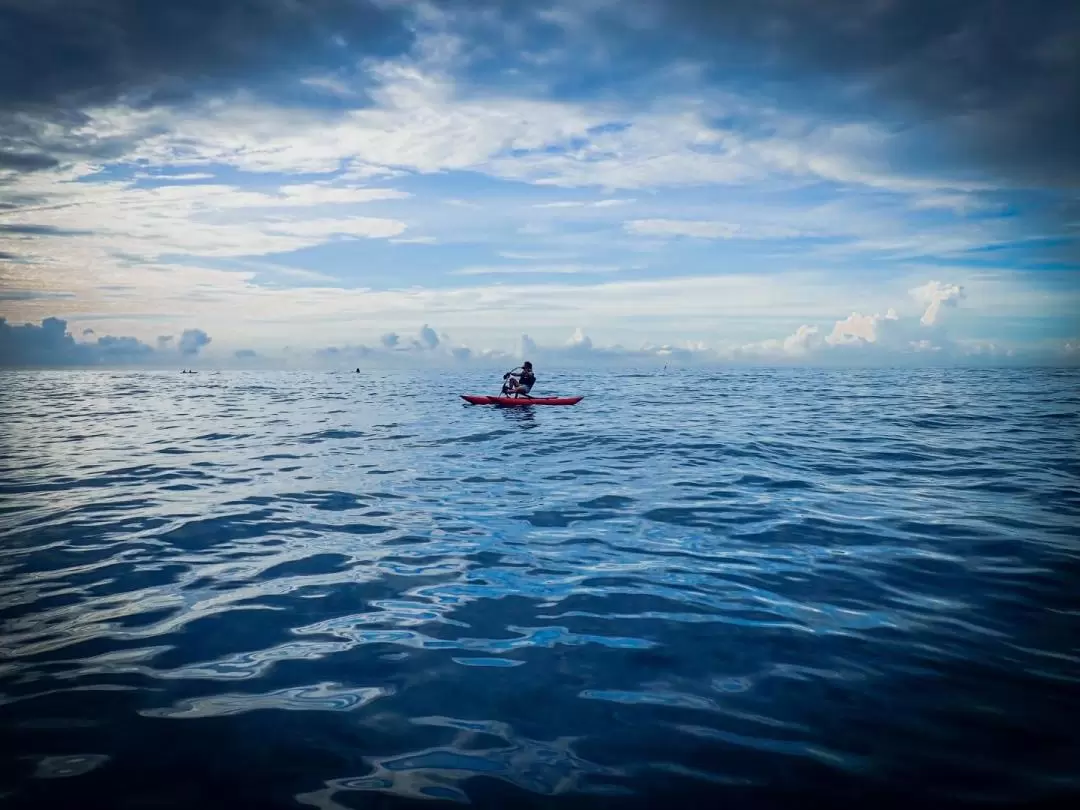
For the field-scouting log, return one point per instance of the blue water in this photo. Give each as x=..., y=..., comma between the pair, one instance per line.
x=828, y=588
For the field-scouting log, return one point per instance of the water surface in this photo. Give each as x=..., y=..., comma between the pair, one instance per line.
x=331, y=590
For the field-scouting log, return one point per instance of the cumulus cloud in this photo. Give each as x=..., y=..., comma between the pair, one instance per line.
x=805, y=340
x=123, y=349
x=859, y=329
x=50, y=344
x=192, y=341
x=429, y=338
x=878, y=334
x=390, y=340
x=580, y=341
x=164, y=342
x=936, y=295
x=87, y=332
x=335, y=354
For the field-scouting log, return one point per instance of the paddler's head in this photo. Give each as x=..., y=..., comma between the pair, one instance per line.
x=527, y=365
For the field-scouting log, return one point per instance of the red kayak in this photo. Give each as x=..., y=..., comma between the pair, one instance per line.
x=518, y=401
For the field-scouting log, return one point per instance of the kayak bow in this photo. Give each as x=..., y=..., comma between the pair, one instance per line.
x=519, y=401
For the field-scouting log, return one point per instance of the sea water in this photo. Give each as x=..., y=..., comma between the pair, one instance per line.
x=741, y=588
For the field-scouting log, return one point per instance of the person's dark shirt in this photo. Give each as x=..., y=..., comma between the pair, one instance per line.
x=527, y=378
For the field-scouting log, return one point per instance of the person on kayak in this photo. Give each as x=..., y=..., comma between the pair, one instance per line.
x=522, y=383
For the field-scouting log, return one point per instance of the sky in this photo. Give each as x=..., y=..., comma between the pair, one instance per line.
x=335, y=182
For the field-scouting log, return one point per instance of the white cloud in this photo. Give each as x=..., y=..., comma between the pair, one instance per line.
x=671, y=227
x=961, y=204
x=936, y=295
x=609, y=203
x=805, y=340
x=880, y=333
x=533, y=269
x=704, y=229
x=194, y=219
x=170, y=177
x=543, y=256
x=414, y=240
x=579, y=340
x=858, y=329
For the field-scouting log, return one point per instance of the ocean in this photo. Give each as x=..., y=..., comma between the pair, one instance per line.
x=740, y=588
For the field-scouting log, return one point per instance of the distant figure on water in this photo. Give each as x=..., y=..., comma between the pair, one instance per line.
x=519, y=381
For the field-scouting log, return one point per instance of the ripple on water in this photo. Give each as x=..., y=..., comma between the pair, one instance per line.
x=291, y=590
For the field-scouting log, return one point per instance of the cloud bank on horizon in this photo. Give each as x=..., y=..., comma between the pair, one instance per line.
x=360, y=180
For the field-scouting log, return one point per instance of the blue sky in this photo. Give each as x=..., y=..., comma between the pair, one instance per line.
x=588, y=175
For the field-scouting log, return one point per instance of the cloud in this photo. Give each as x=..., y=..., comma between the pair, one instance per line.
x=26, y=161
x=805, y=340
x=380, y=78
x=164, y=342
x=936, y=295
x=428, y=337
x=858, y=329
x=335, y=354
x=50, y=344
x=535, y=269
x=609, y=203
x=390, y=340
x=669, y=227
x=927, y=66
x=245, y=354
x=703, y=229
x=413, y=240
x=86, y=332
x=154, y=54
x=878, y=334
x=123, y=349
x=192, y=341
x=579, y=341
